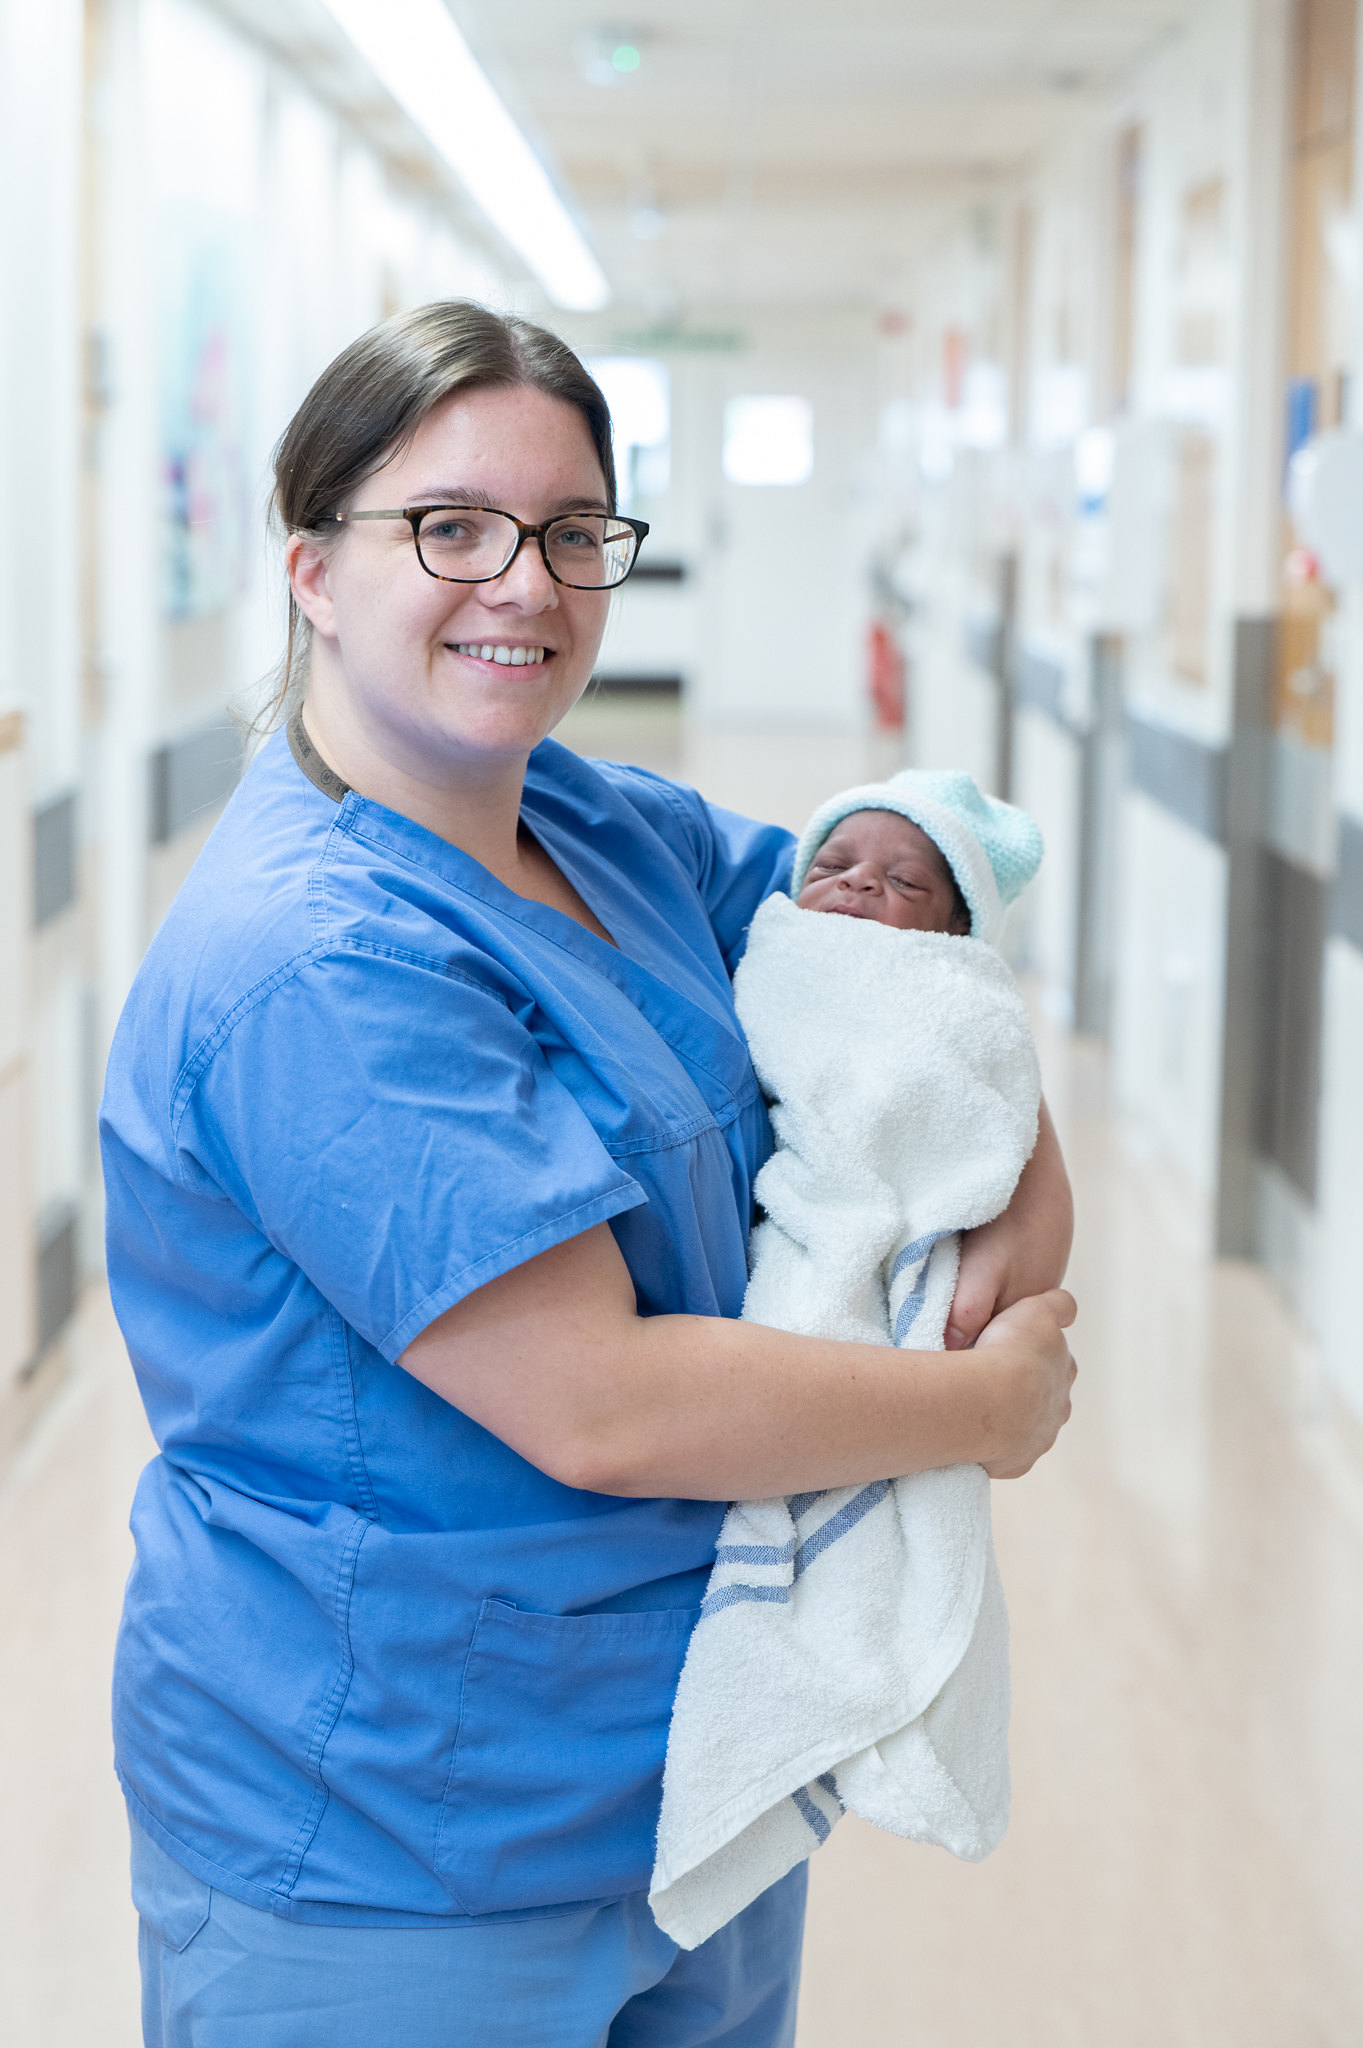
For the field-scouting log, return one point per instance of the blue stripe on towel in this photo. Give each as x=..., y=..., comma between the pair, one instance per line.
x=912, y=1253
x=847, y=1517
x=735, y=1596
x=911, y=1307
x=837, y=1525
x=756, y=1553
x=830, y=1785
x=801, y=1503
x=808, y=1811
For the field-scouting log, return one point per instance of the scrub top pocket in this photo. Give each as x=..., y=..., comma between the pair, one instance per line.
x=554, y=1787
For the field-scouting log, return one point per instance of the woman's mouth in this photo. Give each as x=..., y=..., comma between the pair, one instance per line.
x=503, y=654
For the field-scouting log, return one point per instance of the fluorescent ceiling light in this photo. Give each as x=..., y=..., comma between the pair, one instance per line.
x=415, y=49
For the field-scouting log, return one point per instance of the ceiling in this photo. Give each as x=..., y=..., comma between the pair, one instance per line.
x=761, y=153
x=769, y=152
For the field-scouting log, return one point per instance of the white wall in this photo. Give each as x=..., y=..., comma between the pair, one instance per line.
x=1046, y=773
x=40, y=160
x=115, y=161
x=1169, y=992
x=42, y=717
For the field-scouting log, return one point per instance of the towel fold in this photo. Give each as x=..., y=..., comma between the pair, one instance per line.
x=851, y=1652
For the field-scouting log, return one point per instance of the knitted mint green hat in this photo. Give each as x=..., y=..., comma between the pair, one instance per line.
x=992, y=848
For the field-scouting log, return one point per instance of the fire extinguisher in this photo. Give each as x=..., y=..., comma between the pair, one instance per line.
x=886, y=677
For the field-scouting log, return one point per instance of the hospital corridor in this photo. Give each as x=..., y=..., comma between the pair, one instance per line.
x=987, y=382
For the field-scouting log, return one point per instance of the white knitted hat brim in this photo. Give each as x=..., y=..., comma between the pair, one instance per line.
x=966, y=858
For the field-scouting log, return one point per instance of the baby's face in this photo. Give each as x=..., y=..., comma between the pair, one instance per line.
x=878, y=865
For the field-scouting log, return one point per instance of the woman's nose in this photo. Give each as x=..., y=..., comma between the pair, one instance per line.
x=525, y=582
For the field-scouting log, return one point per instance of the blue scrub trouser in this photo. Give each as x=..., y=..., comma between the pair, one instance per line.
x=217, y=1974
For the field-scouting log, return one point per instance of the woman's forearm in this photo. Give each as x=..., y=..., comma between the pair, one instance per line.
x=554, y=1359
x=730, y=1410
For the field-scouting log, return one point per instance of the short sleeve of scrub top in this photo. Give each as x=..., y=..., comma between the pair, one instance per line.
x=393, y=1129
x=374, y=1667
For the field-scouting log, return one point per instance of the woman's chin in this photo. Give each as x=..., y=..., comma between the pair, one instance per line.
x=504, y=720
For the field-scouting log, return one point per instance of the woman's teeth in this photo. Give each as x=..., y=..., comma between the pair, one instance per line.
x=506, y=657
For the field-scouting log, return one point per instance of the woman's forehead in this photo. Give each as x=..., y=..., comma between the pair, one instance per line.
x=501, y=437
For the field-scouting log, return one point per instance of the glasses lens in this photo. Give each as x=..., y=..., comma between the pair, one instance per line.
x=590, y=551
x=465, y=544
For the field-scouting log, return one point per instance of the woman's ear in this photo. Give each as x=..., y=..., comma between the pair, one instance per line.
x=307, y=567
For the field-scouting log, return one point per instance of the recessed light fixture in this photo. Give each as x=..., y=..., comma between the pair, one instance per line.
x=415, y=50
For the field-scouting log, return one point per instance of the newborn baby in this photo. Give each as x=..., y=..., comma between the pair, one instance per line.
x=898, y=1062
x=851, y=1652
x=881, y=865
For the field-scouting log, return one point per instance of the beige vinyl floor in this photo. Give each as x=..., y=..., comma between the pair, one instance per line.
x=1185, y=1576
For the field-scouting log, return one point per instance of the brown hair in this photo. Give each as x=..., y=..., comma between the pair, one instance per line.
x=369, y=403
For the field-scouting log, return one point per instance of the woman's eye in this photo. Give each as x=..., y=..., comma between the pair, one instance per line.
x=444, y=529
x=575, y=537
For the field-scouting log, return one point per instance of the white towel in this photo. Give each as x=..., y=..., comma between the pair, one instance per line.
x=852, y=1648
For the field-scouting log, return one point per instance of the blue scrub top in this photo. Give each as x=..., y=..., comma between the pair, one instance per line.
x=373, y=1666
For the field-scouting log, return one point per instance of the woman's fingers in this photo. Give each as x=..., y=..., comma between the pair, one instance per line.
x=1063, y=1303
x=1037, y=1378
x=1055, y=1308
x=981, y=1286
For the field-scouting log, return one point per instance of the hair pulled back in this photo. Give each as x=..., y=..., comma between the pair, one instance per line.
x=366, y=406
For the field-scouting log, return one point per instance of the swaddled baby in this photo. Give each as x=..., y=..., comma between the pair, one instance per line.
x=898, y=1059
x=851, y=1652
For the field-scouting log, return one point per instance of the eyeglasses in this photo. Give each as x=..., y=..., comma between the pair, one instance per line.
x=475, y=544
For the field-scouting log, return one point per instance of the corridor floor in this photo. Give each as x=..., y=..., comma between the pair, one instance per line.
x=1185, y=1578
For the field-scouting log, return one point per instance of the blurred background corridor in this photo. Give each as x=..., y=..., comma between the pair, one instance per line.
x=988, y=377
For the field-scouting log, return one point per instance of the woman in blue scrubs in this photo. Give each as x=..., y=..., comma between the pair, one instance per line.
x=429, y=1138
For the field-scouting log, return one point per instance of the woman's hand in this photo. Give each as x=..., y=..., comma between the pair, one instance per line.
x=1021, y=1253
x=1039, y=1374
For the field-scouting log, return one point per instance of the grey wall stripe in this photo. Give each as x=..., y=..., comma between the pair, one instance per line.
x=54, y=857
x=1346, y=897
x=983, y=641
x=1038, y=682
x=1185, y=776
x=192, y=775
x=58, y=1275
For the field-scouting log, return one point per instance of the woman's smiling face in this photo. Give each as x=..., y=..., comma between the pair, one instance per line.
x=445, y=673
x=881, y=866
